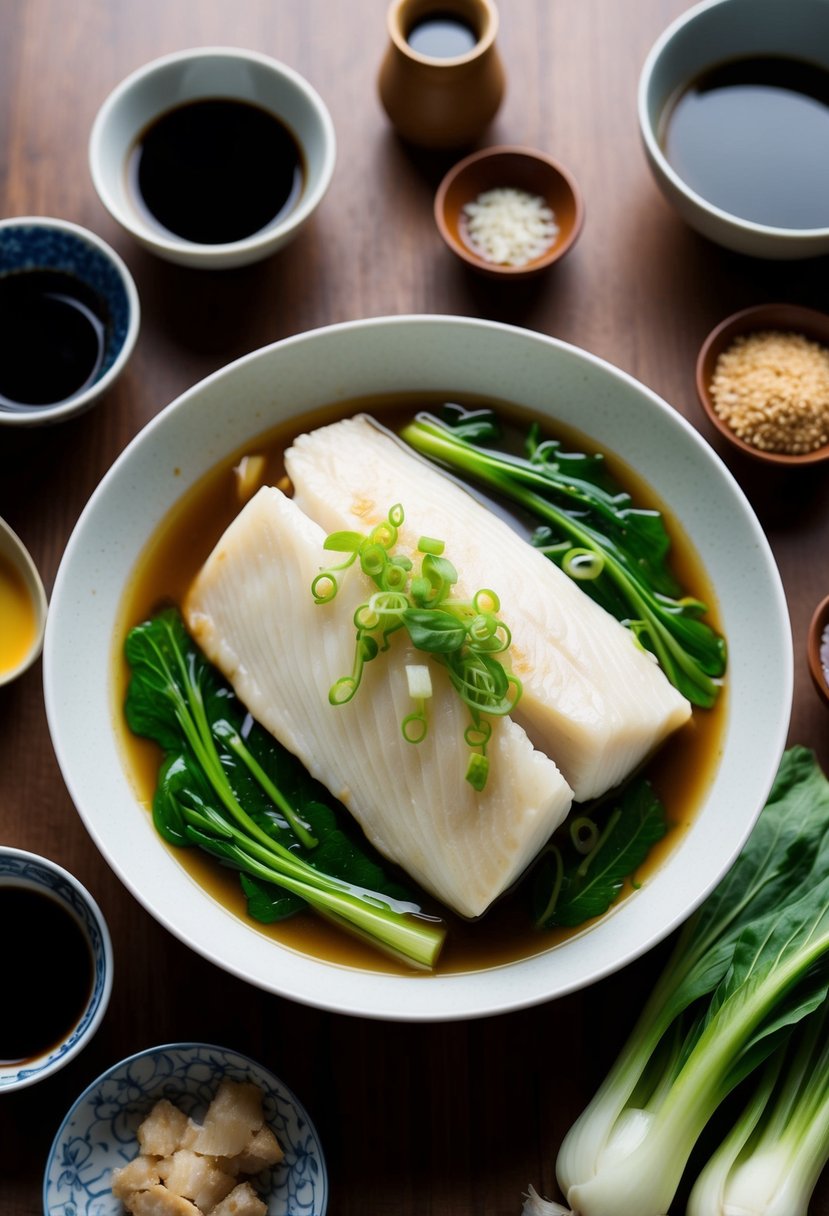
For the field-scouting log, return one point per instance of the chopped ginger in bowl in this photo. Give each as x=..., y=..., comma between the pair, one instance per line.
x=187, y=1130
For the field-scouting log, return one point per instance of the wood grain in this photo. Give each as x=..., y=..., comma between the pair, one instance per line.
x=450, y=1119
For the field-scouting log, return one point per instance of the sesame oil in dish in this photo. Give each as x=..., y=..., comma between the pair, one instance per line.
x=216, y=170
x=18, y=620
x=751, y=136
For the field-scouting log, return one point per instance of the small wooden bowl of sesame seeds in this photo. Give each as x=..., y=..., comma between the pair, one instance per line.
x=763, y=380
x=509, y=212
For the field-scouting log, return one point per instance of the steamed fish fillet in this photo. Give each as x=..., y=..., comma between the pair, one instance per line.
x=251, y=610
x=592, y=698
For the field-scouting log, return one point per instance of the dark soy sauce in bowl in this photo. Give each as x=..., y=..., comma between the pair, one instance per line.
x=216, y=170
x=48, y=973
x=441, y=36
x=751, y=136
x=52, y=337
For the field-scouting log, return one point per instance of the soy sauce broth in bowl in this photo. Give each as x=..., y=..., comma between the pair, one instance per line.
x=69, y=320
x=213, y=157
x=57, y=963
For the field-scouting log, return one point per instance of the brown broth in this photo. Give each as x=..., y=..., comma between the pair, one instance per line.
x=681, y=772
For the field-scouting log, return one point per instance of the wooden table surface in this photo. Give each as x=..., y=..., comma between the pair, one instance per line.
x=446, y=1119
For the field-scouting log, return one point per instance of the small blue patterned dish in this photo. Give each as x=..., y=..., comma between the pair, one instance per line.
x=29, y=872
x=36, y=243
x=99, y=1132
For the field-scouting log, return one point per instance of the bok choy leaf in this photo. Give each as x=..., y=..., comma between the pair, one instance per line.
x=749, y=965
x=226, y=786
x=618, y=552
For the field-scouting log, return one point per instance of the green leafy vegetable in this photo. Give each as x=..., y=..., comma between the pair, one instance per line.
x=748, y=966
x=591, y=529
x=771, y=1160
x=464, y=635
x=574, y=884
x=228, y=787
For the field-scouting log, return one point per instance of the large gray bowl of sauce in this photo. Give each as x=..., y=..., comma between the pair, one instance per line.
x=734, y=116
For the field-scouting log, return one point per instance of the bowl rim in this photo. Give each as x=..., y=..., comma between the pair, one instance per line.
x=31, y=1075
x=39, y=415
x=25, y=564
x=818, y=623
x=155, y=239
x=735, y=325
x=555, y=252
x=394, y=28
x=454, y=996
x=654, y=150
x=190, y=1045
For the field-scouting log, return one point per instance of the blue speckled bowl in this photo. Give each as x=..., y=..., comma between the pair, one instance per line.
x=99, y=1132
x=38, y=243
x=23, y=869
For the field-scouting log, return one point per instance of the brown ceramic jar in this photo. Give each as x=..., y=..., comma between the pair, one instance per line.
x=441, y=102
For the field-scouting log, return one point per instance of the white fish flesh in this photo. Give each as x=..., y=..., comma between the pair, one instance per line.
x=592, y=698
x=251, y=610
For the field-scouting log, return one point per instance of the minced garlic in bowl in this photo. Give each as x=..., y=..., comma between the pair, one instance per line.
x=509, y=227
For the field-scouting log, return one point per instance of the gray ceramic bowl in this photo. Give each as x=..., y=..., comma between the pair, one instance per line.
x=192, y=75
x=98, y=1133
x=40, y=243
x=708, y=34
x=21, y=869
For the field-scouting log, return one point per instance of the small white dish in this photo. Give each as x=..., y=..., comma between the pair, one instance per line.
x=199, y=74
x=708, y=34
x=28, y=870
x=98, y=1134
x=27, y=593
x=40, y=243
x=388, y=358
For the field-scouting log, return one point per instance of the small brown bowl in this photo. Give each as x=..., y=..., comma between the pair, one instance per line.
x=789, y=318
x=519, y=169
x=818, y=628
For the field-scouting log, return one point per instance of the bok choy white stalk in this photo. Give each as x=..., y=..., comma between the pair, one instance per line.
x=770, y=1162
x=746, y=968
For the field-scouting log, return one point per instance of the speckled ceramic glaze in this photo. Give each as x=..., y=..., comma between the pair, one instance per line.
x=99, y=1132
x=28, y=870
x=40, y=243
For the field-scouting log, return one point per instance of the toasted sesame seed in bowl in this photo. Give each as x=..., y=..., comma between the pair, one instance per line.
x=763, y=380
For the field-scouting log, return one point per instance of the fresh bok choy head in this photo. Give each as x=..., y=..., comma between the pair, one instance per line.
x=747, y=967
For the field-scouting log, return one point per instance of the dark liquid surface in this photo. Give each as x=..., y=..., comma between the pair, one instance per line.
x=751, y=136
x=441, y=36
x=216, y=170
x=47, y=969
x=52, y=333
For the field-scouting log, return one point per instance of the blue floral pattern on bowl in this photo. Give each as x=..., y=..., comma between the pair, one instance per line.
x=31, y=246
x=99, y=1133
x=26, y=869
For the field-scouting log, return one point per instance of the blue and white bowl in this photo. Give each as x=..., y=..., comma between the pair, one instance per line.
x=99, y=1133
x=39, y=243
x=21, y=869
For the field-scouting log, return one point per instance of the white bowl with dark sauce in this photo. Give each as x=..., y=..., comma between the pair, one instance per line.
x=213, y=157
x=734, y=117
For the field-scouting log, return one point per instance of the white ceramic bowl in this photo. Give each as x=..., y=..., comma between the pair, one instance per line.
x=708, y=34
x=210, y=72
x=37, y=242
x=13, y=551
x=98, y=1133
x=396, y=355
x=21, y=869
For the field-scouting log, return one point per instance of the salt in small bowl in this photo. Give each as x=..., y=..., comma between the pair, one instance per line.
x=509, y=168
x=782, y=318
x=42, y=243
x=99, y=1132
x=19, y=868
